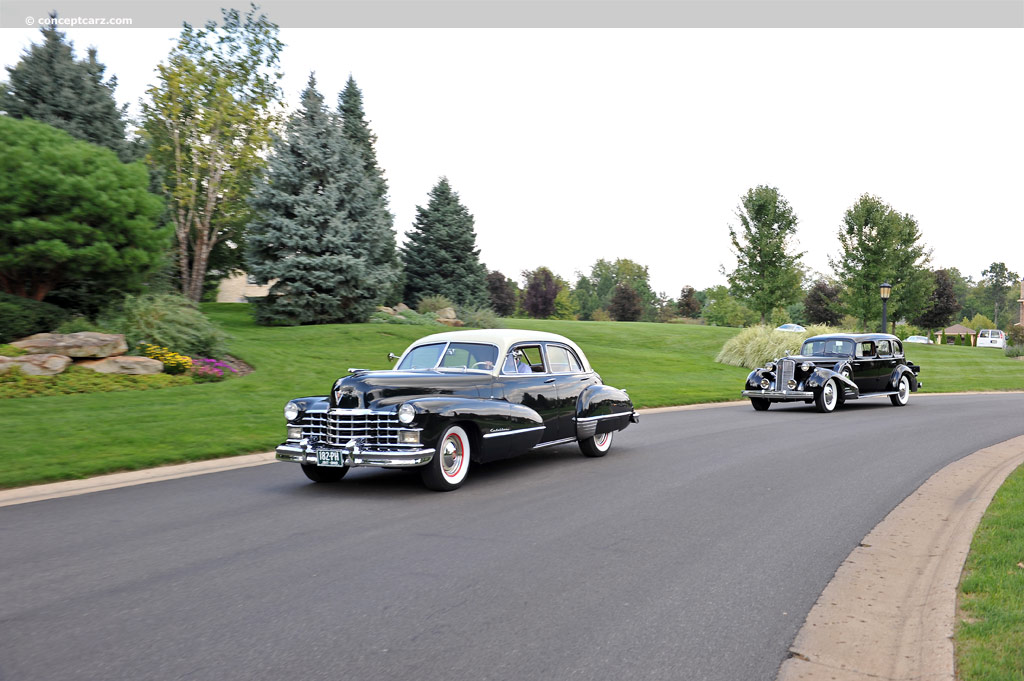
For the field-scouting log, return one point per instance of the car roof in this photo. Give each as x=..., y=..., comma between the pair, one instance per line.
x=855, y=337
x=503, y=338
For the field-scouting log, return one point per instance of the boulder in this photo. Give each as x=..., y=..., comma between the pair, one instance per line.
x=37, y=365
x=385, y=308
x=81, y=344
x=452, y=322
x=446, y=313
x=124, y=364
x=401, y=307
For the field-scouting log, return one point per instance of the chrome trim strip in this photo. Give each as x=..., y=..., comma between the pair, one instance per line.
x=780, y=394
x=563, y=441
x=298, y=453
x=598, y=418
x=513, y=432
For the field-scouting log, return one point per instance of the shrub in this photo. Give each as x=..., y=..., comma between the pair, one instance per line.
x=14, y=383
x=1015, y=350
x=600, y=315
x=20, y=317
x=173, y=362
x=206, y=370
x=754, y=346
x=433, y=304
x=405, y=317
x=168, y=320
x=479, y=317
x=1015, y=336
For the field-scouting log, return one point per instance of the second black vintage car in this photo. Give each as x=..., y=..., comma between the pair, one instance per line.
x=833, y=368
x=454, y=399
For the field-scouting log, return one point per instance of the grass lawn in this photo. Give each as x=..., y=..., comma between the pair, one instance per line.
x=75, y=436
x=990, y=635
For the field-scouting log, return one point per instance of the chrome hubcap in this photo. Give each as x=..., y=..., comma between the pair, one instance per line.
x=830, y=393
x=451, y=456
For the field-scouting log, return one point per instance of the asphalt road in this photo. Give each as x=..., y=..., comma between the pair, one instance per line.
x=694, y=550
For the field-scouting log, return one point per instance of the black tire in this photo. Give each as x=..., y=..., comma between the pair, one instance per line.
x=827, y=398
x=597, y=446
x=903, y=392
x=324, y=473
x=450, y=465
x=760, y=403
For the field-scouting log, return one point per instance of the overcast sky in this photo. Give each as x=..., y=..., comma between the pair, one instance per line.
x=572, y=145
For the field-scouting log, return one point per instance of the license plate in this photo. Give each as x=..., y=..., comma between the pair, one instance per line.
x=330, y=457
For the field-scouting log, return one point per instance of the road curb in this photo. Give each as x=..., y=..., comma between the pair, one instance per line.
x=889, y=612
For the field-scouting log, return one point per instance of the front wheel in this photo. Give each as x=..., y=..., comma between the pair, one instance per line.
x=324, y=473
x=597, y=446
x=760, y=403
x=902, y=395
x=447, y=470
x=827, y=397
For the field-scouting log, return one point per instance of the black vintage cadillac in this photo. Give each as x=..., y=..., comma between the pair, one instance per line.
x=834, y=368
x=454, y=399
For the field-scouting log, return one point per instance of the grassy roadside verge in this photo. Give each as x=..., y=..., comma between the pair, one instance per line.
x=76, y=436
x=989, y=636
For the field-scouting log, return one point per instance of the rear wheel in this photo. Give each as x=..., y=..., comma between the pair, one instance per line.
x=760, y=403
x=597, y=446
x=828, y=397
x=902, y=395
x=448, y=469
x=324, y=473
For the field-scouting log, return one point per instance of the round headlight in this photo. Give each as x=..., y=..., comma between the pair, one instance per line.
x=806, y=366
x=791, y=384
x=291, y=411
x=765, y=383
x=770, y=366
x=406, y=413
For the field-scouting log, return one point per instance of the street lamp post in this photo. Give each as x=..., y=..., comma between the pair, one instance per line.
x=885, y=290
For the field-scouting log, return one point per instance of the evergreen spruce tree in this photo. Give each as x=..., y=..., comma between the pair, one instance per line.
x=440, y=253
x=356, y=129
x=320, y=229
x=49, y=85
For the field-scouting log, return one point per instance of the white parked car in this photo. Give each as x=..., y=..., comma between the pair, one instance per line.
x=991, y=338
x=795, y=328
x=918, y=339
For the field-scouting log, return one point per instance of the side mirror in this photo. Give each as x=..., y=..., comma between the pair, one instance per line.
x=392, y=356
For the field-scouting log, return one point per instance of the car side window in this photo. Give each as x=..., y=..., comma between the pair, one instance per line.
x=524, y=359
x=561, y=360
x=883, y=349
x=897, y=348
x=865, y=349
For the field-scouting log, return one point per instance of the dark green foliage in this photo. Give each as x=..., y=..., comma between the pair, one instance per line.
x=998, y=280
x=503, y=292
x=440, y=253
x=688, y=305
x=49, y=85
x=71, y=211
x=542, y=288
x=625, y=304
x=594, y=292
x=880, y=245
x=20, y=317
x=319, y=231
x=941, y=306
x=723, y=309
x=356, y=130
x=767, y=274
x=822, y=305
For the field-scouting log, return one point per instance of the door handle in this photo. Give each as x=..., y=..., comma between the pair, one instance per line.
x=550, y=380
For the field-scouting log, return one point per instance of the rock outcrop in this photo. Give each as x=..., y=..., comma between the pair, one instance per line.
x=124, y=364
x=81, y=344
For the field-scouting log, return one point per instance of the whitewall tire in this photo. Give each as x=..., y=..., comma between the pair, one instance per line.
x=450, y=465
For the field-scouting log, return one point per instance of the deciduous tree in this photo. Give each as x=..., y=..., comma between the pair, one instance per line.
x=504, y=293
x=625, y=304
x=688, y=304
x=542, y=287
x=822, y=305
x=998, y=280
x=941, y=306
x=768, y=274
x=208, y=122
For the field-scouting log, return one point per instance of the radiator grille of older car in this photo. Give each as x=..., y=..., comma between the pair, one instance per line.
x=376, y=429
x=787, y=370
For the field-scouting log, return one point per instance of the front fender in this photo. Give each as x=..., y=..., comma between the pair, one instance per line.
x=821, y=375
x=602, y=409
x=501, y=428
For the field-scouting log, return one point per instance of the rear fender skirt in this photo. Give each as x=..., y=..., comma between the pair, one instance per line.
x=602, y=409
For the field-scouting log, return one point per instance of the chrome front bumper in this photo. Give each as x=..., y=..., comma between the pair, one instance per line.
x=780, y=394
x=301, y=452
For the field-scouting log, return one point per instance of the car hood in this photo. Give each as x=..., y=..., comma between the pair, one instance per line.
x=818, y=361
x=379, y=389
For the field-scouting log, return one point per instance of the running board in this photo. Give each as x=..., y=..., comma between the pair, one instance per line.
x=866, y=395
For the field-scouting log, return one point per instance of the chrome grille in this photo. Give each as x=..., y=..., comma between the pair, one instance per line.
x=377, y=429
x=787, y=370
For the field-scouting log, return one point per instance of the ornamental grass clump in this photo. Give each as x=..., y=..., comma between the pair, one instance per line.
x=167, y=320
x=174, y=363
x=754, y=346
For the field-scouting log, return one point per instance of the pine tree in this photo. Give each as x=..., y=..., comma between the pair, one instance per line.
x=49, y=85
x=318, y=225
x=440, y=253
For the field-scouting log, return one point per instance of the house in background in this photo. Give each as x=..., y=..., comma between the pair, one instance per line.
x=239, y=288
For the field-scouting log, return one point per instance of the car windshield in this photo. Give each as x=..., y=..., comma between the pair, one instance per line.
x=450, y=356
x=828, y=347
